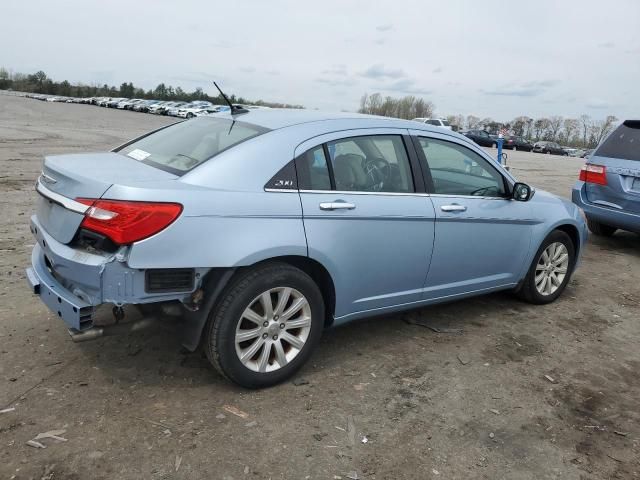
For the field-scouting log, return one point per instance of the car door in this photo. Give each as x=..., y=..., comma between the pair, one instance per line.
x=366, y=219
x=481, y=236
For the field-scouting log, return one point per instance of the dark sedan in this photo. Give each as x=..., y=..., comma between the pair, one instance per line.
x=481, y=137
x=549, y=147
x=517, y=143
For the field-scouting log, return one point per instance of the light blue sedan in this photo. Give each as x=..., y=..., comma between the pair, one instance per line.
x=262, y=228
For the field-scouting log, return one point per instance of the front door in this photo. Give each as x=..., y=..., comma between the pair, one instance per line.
x=364, y=220
x=481, y=236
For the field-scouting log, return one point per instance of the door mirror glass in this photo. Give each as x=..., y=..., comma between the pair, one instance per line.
x=521, y=192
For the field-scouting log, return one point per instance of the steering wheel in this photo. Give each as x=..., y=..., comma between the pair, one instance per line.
x=481, y=191
x=378, y=171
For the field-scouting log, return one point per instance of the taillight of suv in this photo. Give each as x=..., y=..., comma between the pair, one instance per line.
x=593, y=174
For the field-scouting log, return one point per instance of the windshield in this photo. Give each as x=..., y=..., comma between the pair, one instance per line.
x=623, y=143
x=185, y=145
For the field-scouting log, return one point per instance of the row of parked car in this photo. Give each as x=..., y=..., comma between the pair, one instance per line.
x=172, y=108
x=485, y=139
x=511, y=142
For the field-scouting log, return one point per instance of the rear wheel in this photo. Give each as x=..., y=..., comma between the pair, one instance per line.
x=600, y=229
x=265, y=326
x=550, y=270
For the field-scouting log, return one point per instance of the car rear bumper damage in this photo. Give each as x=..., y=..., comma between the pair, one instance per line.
x=73, y=282
x=603, y=214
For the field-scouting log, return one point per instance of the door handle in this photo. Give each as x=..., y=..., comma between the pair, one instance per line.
x=337, y=206
x=453, y=208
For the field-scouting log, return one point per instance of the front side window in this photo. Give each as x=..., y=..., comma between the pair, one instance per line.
x=457, y=170
x=183, y=146
x=376, y=163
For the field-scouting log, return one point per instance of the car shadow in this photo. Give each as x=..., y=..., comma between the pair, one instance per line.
x=154, y=356
x=621, y=242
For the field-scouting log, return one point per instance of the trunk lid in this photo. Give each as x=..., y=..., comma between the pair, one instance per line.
x=622, y=191
x=86, y=175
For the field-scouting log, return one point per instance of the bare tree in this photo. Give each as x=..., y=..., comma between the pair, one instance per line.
x=570, y=127
x=555, y=124
x=585, y=126
x=602, y=128
x=406, y=107
x=540, y=127
x=473, y=122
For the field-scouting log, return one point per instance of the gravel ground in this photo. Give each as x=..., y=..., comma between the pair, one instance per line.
x=381, y=399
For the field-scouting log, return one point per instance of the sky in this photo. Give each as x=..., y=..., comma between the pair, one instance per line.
x=494, y=58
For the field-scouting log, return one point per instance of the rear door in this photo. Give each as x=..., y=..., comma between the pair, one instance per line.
x=620, y=155
x=366, y=219
x=482, y=237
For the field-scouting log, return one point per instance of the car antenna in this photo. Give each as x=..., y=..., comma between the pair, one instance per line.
x=235, y=109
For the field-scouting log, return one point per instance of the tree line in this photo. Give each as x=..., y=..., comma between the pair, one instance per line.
x=39, y=82
x=583, y=132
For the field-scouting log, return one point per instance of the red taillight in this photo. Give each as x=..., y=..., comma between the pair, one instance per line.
x=593, y=174
x=127, y=222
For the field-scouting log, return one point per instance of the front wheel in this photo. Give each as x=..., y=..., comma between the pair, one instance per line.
x=265, y=326
x=550, y=271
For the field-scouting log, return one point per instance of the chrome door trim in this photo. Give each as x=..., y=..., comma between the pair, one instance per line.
x=65, y=202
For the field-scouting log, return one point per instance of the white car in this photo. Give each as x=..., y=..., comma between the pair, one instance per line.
x=189, y=111
x=437, y=122
x=203, y=112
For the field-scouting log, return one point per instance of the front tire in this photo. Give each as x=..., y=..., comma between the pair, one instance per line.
x=265, y=326
x=550, y=270
x=600, y=229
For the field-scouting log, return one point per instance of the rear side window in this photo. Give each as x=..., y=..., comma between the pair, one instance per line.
x=623, y=143
x=183, y=146
x=313, y=172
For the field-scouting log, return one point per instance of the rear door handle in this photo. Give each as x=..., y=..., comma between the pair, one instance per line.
x=337, y=206
x=453, y=208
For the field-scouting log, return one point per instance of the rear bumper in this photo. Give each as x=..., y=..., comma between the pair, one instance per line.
x=76, y=313
x=608, y=216
x=72, y=282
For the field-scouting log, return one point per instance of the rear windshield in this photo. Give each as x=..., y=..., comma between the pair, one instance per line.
x=623, y=143
x=185, y=145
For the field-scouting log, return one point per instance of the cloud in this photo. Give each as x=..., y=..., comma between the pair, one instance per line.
x=337, y=82
x=384, y=28
x=526, y=89
x=606, y=45
x=406, y=85
x=247, y=69
x=437, y=70
x=379, y=71
x=340, y=69
x=380, y=41
x=597, y=103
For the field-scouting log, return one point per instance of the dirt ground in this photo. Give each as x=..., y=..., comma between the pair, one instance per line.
x=381, y=399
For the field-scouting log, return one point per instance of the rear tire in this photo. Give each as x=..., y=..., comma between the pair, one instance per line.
x=550, y=270
x=251, y=335
x=600, y=229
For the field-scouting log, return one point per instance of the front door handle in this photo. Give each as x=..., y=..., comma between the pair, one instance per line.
x=453, y=208
x=337, y=206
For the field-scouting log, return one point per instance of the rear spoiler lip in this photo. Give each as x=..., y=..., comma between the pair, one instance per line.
x=65, y=202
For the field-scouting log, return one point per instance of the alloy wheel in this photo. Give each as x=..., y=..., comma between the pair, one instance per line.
x=552, y=268
x=273, y=329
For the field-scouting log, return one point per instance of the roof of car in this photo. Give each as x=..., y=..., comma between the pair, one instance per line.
x=275, y=118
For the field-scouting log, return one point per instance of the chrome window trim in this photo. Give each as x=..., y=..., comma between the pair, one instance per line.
x=66, y=202
x=397, y=194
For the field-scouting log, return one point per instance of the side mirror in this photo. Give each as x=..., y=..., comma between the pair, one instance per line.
x=521, y=192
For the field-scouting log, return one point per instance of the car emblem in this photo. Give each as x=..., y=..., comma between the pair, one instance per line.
x=47, y=179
